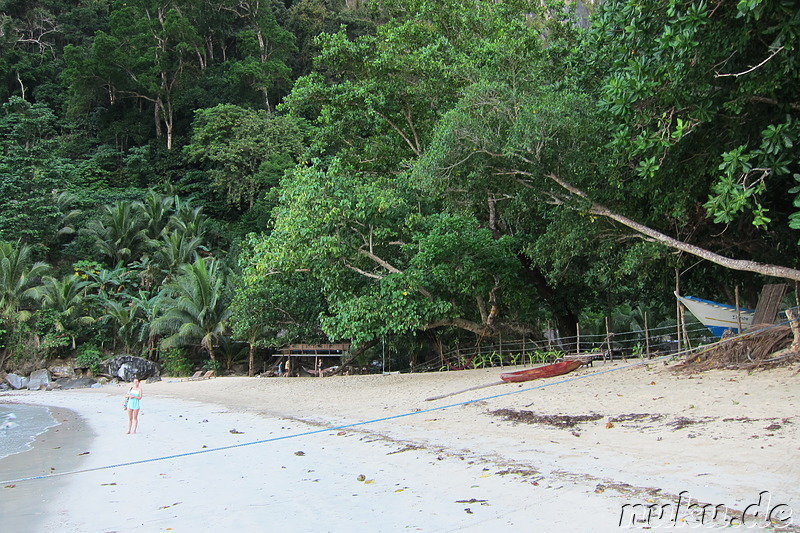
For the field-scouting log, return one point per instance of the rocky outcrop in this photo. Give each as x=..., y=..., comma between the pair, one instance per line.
x=16, y=381
x=128, y=368
x=76, y=383
x=39, y=379
x=62, y=371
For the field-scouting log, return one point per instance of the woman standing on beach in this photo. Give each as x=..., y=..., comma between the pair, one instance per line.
x=132, y=404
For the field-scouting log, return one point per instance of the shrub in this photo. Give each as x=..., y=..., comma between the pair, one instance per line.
x=89, y=356
x=175, y=363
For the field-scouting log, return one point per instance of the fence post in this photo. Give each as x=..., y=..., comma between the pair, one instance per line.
x=500, y=339
x=646, y=336
x=578, y=339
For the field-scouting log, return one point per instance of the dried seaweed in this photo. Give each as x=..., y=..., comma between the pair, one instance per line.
x=559, y=421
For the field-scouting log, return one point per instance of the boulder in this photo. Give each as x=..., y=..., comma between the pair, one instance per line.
x=128, y=368
x=78, y=383
x=16, y=382
x=62, y=371
x=39, y=379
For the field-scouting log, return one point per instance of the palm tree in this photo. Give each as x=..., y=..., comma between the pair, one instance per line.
x=18, y=275
x=119, y=232
x=155, y=209
x=175, y=249
x=66, y=297
x=127, y=317
x=199, y=311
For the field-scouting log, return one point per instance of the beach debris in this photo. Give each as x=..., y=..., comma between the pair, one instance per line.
x=361, y=477
x=559, y=421
x=85, y=453
x=9, y=486
x=168, y=506
x=236, y=432
x=108, y=484
x=763, y=349
x=609, y=424
x=468, y=510
x=299, y=453
x=472, y=500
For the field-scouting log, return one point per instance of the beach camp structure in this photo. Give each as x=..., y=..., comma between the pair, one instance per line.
x=312, y=356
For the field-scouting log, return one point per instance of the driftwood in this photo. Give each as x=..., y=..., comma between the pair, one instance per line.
x=476, y=387
x=762, y=349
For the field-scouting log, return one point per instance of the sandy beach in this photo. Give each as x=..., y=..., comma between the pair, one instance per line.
x=615, y=445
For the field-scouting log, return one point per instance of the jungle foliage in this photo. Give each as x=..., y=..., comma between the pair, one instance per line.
x=176, y=176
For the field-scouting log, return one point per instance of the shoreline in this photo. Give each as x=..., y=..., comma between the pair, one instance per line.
x=514, y=457
x=25, y=506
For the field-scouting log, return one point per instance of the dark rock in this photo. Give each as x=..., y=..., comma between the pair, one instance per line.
x=78, y=383
x=128, y=368
x=39, y=379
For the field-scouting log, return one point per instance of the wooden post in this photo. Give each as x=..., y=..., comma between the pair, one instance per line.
x=608, y=343
x=549, y=337
x=578, y=339
x=646, y=337
x=500, y=338
x=679, y=306
x=738, y=311
x=794, y=323
x=686, y=339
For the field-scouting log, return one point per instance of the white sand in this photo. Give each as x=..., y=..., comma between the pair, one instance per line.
x=402, y=463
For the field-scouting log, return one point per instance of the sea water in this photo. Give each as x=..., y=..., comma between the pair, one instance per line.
x=20, y=425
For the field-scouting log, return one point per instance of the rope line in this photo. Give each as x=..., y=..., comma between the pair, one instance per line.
x=384, y=419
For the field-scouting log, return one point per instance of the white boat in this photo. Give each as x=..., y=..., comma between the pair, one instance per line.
x=717, y=317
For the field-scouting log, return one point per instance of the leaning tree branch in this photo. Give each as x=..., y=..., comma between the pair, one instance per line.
x=751, y=69
x=734, y=264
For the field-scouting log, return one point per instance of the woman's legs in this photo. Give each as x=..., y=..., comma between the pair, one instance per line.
x=135, y=419
x=130, y=419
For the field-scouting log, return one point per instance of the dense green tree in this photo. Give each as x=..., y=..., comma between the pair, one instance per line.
x=701, y=102
x=275, y=310
x=31, y=173
x=246, y=151
x=366, y=226
x=265, y=48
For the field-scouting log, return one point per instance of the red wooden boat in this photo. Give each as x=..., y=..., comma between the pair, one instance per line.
x=548, y=371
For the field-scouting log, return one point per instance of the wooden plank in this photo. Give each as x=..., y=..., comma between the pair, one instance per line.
x=769, y=304
x=320, y=350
